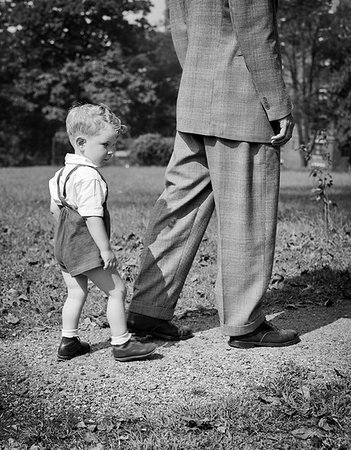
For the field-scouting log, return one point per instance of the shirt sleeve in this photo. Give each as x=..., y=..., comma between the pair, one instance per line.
x=91, y=196
x=53, y=190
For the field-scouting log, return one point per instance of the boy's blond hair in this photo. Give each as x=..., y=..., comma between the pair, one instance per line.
x=89, y=120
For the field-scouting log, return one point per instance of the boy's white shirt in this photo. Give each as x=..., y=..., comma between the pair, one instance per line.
x=85, y=189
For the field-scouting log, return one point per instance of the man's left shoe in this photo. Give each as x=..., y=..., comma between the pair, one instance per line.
x=159, y=328
x=72, y=347
x=266, y=335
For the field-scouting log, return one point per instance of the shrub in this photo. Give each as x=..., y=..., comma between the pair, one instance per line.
x=60, y=145
x=151, y=150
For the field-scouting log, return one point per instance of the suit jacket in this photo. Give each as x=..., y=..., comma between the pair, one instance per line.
x=232, y=85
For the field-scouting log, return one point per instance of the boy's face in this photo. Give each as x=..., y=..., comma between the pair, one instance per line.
x=98, y=148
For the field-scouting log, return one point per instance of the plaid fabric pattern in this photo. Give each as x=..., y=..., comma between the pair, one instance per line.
x=242, y=180
x=232, y=85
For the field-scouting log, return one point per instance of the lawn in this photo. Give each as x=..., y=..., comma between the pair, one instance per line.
x=31, y=288
x=311, y=269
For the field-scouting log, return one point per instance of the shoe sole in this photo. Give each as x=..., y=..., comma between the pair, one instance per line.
x=67, y=358
x=238, y=344
x=134, y=358
x=166, y=337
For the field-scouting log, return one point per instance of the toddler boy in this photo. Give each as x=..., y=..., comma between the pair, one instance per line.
x=82, y=247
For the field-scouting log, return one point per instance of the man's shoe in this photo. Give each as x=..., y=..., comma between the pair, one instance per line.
x=159, y=328
x=266, y=335
x=71, y=347
x=132, y=350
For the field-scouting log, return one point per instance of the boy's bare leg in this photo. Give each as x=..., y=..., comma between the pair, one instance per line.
x=123, y=347
x=112, y=285
x=77, y=291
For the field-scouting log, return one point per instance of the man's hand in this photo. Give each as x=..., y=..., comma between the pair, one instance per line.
x=286, y=126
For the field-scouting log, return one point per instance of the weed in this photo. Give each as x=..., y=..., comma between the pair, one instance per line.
x=321, y=173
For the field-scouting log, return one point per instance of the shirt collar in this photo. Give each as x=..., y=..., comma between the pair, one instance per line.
x=72, y=158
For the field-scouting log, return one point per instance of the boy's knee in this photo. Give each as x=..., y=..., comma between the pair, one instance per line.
x=79, y=294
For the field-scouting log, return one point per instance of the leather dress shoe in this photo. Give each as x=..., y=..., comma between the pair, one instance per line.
x=266, y=335
x=159, y=328
x=72, y=347
x=133, y=350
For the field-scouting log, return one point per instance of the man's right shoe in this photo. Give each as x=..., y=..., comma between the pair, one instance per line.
x=72, y=347
x=159, y=328
x=132, y=350
x=266, y=335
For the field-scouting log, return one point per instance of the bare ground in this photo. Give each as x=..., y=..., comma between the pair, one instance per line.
x=201, y=371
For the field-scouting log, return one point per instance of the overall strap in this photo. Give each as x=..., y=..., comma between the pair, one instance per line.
x=63, y=196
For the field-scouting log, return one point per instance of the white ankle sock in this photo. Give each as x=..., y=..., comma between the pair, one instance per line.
x=70, y=333
x=120, y=340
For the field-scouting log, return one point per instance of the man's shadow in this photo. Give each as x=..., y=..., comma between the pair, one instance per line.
x=306, y=302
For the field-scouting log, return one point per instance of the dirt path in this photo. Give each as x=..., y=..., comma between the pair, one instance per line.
x=202, y=370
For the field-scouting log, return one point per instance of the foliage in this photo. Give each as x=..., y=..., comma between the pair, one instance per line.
x=152, y=150
x=321, y=173
x=314, y=37
x=54, y=53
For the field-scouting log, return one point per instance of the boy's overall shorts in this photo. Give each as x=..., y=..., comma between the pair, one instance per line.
x=75, y=249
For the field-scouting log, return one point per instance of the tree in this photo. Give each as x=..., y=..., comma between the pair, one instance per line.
x=44, y=46
x=338, y=53
x=313, y=51
x=159, y=63
x=304, y=25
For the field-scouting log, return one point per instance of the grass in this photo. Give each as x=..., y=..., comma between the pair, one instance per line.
x=294, y=409
x=32, y=291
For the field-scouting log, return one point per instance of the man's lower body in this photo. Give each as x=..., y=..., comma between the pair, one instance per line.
x=240, y=180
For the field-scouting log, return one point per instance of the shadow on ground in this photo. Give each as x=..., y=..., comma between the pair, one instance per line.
x=305, y=303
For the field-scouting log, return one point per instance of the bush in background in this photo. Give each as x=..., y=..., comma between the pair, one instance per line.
x=151, y=149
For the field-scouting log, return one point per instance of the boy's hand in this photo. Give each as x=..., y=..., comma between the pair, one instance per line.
x=109, y=259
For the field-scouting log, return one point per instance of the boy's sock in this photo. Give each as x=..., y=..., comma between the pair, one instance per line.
x=122, y=339
x=70, y=333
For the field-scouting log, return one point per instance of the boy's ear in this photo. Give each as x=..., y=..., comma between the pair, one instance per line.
x=80, y=141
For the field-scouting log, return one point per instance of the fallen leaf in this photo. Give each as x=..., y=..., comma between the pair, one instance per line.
x=328, y=303
x=99, y=446
x=324, y=424
x=201, y=424
x=90, y=437
x=12, y=293
x=304, y=433
x=268, y=400
x=306, y=392
x=339, y=374
x=11, y=318
x=291, y=306
x=124, y=437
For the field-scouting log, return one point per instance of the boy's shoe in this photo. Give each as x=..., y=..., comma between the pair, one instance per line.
x=71, y=347
x=132, y=350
